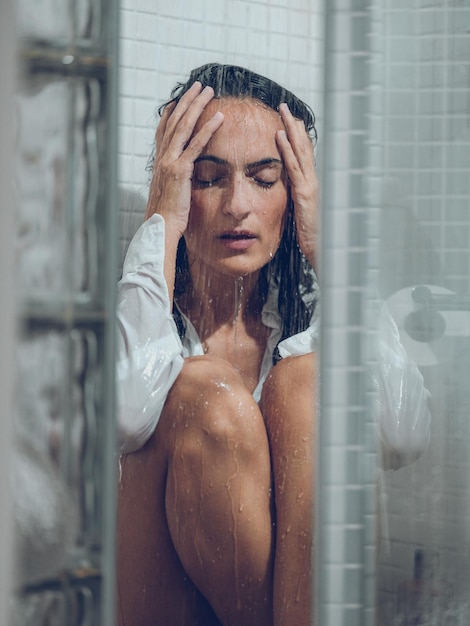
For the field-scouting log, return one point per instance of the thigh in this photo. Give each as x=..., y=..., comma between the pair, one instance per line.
x=206, y=467
x=153, y=588
x=219, y=490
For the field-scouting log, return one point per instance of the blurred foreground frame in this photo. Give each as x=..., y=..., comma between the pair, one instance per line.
x=64, y=464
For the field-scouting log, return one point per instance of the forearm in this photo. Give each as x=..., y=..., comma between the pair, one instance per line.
x=149, y=349
x=172, y=237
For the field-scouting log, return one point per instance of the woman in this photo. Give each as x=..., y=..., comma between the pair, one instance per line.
x=216, y=362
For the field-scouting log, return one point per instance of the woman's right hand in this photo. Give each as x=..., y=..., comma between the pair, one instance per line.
x=176, y=151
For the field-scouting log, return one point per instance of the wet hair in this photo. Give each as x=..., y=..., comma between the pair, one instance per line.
x=289, y=269
x=232, y=81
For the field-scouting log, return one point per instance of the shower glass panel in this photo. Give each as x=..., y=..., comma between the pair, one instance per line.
x=394, y=137
x=57, y=187
x=420, y=266
x=64, y=473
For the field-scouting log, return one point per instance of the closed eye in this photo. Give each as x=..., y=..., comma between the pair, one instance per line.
x=199, y=182
x=209, y=171
x=266, y=184
x=266, y=172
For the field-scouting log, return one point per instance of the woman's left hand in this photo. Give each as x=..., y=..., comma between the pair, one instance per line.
x=297, y=152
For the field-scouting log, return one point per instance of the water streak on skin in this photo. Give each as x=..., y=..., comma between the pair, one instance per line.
x=302, y=576
x=234, y=530
x=199, y=517
x=238, y=302
x=121, y=463
x=175, y=492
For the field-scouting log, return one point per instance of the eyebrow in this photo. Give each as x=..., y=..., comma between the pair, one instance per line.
x=250, y=166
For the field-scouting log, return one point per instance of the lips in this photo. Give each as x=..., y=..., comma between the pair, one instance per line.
x=237, y=239
x=236, y=235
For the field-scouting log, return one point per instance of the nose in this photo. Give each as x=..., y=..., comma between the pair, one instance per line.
x=237, y=202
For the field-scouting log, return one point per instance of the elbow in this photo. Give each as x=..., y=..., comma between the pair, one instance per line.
x=403, y=446
x=135, y=426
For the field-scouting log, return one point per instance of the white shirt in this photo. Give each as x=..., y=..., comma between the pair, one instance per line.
x=150, y=351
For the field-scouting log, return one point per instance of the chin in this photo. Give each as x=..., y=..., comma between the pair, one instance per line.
x=240, y=269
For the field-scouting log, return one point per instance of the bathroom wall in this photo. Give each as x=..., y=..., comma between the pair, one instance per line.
x=399, y=157
x=420, y=154
x=345, y=550
x=162, y=41
x=393, y=157
x=285, y=40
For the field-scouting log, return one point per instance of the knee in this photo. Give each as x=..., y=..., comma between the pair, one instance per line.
x=206, y=383
x=291, y=379
x=210, y=397
x=288, y=401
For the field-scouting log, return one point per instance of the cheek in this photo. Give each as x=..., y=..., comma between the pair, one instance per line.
x=200, y=221
x=198, y=214
x=193, y=231
x=277, y=217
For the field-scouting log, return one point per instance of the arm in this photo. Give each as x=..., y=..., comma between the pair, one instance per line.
x=402, y=409
x=297, y=152
x=149, y=350
x=176, y=151
x=148, y=347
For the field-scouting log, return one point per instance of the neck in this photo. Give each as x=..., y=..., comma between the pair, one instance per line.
x=212, y=301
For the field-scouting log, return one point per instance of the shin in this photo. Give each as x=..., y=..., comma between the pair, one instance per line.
x=288, y=405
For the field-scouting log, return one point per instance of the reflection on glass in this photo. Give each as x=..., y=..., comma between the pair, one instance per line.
x=57, y=189
x=56, y=21
x=57, y=423
x=63, y=449
x=424, y=558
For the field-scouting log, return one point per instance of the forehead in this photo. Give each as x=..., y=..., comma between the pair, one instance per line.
x=248, y=125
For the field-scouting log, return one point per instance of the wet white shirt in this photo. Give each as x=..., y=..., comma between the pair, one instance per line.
x=150, y=351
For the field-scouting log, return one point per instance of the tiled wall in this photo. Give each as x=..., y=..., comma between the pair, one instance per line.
x=420, y=158
x=162, y=41
x=284, y=40
x=345, y=549
x=393, y=158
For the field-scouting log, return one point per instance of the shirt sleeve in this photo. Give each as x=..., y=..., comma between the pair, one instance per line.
x=402, y=402
x=303, y=342
x=149, y=350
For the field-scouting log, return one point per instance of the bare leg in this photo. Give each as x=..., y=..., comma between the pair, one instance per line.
x=288, y=405
x=153, y=588
x=200, y=520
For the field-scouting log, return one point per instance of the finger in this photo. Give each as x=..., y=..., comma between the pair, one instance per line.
x=185, y=101
x=293, y=125
x=173, y=112
x=290, y=159
x=161, y=128
x=203, y=136
x=303, y=179
x=298, y=138
x=183, y=120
